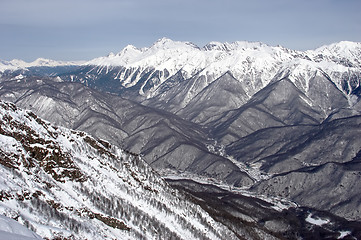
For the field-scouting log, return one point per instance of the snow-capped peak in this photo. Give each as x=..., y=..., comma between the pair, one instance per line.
x=340, y=48
x=128, y=48
x=129, y=54
x=346, y=52
x=163, y=42
x=166, y=43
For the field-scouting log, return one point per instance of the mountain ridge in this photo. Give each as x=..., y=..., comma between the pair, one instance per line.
x=254, y=64
x=352, y=49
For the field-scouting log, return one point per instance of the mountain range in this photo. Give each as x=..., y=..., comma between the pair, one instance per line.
x=244, y=116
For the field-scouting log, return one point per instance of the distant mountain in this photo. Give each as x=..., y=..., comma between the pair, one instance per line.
x=147, y=71
x=17, y=64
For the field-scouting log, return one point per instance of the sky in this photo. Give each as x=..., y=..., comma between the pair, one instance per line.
x=86, y=29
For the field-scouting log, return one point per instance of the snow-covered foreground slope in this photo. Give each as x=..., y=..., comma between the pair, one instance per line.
x=63, y=183
x=12, y=230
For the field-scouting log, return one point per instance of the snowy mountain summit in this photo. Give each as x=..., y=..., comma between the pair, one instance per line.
x=254, y=64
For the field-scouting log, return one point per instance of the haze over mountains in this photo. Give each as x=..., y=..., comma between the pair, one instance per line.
x=268, y=120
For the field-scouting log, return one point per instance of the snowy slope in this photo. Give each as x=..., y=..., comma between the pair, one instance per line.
x=63, y=183
x=12, y=230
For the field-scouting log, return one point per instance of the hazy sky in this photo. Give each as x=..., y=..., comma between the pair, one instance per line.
x=84, y=29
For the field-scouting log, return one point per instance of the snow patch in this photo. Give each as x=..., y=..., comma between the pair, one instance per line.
x=344, y=234
x=316, y=221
